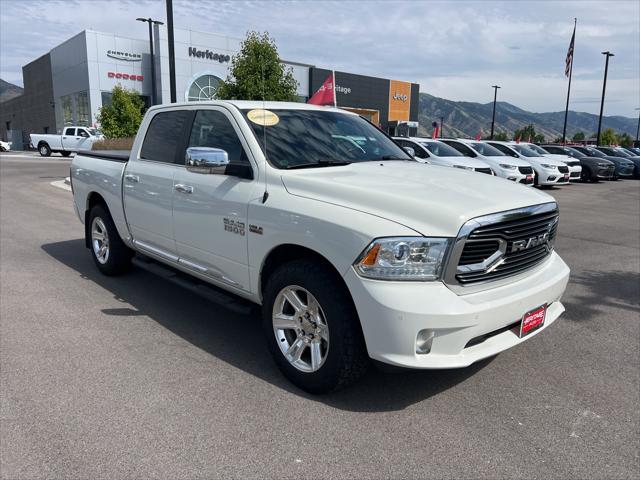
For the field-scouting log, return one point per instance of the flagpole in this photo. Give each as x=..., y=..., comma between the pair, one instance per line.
x=566, y=109
x=335, y=100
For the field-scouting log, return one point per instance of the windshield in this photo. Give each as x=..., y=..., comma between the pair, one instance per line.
x=525, y=151
x=573, y=152
x=622, y=152
x=537, y=149
x=314, y=138
x=487, y=150
x=593, y=152
x=94, y=131
x=441, y=149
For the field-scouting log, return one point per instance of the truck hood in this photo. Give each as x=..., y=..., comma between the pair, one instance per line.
x=432, y=200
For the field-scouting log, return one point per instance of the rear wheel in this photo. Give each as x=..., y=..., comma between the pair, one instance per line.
x=312, y=328
x=44, y=149
x=586, y=176
x=110, y=254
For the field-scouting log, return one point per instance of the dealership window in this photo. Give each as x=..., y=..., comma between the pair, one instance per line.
x=106, y=100
x=203, y=88
x=82, y=108
x=67, y=109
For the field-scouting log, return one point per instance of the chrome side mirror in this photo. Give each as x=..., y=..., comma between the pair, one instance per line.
x=410, y=151
x=206, y=160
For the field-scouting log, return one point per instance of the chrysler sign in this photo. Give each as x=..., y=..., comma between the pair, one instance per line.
x=126, y=56
x=209, y=55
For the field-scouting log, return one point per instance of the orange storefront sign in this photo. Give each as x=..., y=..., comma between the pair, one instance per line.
x=399, y=100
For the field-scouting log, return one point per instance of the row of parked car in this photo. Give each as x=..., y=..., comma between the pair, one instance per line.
x=528, y=163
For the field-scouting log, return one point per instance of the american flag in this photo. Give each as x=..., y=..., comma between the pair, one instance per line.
x=569, y=60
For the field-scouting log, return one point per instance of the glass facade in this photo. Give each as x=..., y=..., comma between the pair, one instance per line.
x=82, y=109
x=67, y=109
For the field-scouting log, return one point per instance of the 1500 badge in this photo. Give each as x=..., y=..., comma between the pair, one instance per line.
x=234, y=226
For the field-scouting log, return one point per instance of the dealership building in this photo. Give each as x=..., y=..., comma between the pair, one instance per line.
x=68, y=85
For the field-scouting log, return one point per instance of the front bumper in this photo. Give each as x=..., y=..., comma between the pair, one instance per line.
x=575, y=173
x=606, y=173
x=625, y=171
x=392, y=314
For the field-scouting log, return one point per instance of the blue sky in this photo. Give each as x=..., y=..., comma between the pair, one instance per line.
x=454, y=49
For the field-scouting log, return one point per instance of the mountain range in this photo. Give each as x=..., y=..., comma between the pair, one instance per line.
x=467, y=119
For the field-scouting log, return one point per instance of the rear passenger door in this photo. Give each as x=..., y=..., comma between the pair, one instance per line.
x=148, y=184
x=69, y=138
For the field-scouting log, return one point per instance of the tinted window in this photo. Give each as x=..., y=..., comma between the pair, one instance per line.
x=70, y=132
x=420, y=153
x=525, y=151
x=315, y=138
x=212, y=128
x=504, y=149
x=536, y=149
x=487, y=150
x=555, y=150
x=463, y=149
x=441, y=149
x=164, y=136
x=83, y=133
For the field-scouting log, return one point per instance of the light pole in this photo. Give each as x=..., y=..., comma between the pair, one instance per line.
x=638, y=130
x=172, y=52
x=604, y=88
x=441, y=127
x=495, y=97
x=151, y=22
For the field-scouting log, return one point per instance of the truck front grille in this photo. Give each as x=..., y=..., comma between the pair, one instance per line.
x=525, y=170
x=563, y=169
x=502, y=245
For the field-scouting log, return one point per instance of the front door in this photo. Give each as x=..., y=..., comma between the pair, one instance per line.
x=210, y=210
x=148, y=184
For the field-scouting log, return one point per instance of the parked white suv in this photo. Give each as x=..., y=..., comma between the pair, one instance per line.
x=353, y=252
x=575, y=169
x=549, y=172
x=438, y=153
x=503, y=166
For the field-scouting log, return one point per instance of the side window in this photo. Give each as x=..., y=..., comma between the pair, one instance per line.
x=554, y=150
x=463, y=149
x=70, y=132
x=420, y=151
x=212, y=128
x=504, y=149
x=164, y=136
x=83, y=133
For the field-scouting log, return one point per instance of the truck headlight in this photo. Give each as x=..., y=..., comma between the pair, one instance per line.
x=550, y=167
x=403, y=258
x=507, y=167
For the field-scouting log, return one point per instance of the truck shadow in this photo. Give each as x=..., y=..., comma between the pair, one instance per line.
x=237, y=339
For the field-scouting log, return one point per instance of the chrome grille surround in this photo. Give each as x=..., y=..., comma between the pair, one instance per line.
x=483, y=254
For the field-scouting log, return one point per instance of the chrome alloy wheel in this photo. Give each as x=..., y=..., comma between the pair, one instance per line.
x=100, y=240
x=300, y=328
x=43, y=150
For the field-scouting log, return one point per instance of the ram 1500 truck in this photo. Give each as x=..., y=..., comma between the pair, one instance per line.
x=72, y=140
x=354, y=250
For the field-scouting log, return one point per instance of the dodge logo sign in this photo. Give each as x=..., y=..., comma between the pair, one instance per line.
x=125, y=76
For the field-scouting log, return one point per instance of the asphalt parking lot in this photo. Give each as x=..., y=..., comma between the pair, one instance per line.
x=133, y=377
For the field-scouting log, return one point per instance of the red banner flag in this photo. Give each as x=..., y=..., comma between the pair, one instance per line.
x=479, y=136
x=326, y=94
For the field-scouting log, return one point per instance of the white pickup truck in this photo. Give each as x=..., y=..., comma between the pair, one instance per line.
x=354, y=250
x=73, y=139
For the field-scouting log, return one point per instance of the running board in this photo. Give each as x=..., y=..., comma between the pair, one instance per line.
x=209, y=292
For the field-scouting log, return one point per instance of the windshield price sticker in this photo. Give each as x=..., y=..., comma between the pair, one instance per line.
x=266, y=118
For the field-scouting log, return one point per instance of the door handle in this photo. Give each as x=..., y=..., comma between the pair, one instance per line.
x=132, y=178
x=182, y=188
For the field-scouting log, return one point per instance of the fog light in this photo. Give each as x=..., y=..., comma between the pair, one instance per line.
x=551, y=178
x=424, y=341
x=513, y=179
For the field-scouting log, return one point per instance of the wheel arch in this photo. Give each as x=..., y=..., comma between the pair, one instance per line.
x=93, y=199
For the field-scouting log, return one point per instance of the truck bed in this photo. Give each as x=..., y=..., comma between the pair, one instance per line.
x=113, y=155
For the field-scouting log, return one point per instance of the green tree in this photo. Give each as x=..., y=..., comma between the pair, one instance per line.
x=609, y=137
x=501, y=136
x=256, y=71
x=525, y=133
x=625, y=140
x=538, y=138
x=578, y=137
x=122, y=117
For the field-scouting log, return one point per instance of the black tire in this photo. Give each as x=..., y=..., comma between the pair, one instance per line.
x=118, y=257
x=586, y=176
x=44, y=149
x=65, y=154
x=346, y=357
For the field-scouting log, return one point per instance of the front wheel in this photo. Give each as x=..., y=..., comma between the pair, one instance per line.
x=44, y=150
x=587, y=177
x=312, y=328
x=110, y=254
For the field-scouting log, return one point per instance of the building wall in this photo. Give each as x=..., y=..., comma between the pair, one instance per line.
x=33, y=111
